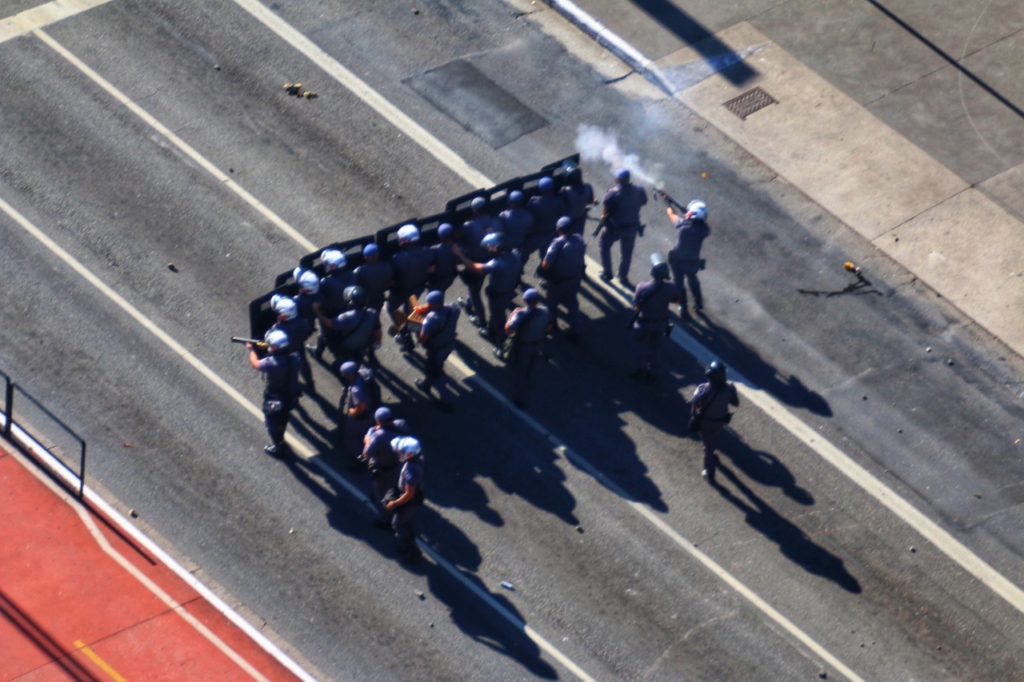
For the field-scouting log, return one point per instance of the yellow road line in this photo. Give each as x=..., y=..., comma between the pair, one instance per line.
x=100, y=663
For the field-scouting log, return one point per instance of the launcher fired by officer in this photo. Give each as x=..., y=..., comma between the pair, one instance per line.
x=437, y=336
x=691, y=231
x=651, y=302
x=281, y=369
x=562, y=269
x=621, y=218
x=298, y=330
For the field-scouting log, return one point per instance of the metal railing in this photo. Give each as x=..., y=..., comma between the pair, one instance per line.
x=24, y=437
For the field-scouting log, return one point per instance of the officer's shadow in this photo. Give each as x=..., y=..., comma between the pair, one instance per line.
x=762, y=467
x=792, y=541
x=731, y=350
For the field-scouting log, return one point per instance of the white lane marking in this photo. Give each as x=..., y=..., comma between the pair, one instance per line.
x=360, y=89
x=659, y=523
x=218, y=603
x=43, y=15
x=396, y=116
x=298, y=446
x=101, y=540
x=930, y=530
x=176, y=141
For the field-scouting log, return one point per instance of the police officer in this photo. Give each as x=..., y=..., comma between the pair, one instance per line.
x=281, y=367
x=578, y=197
x=309, y=297
x=375, y=277
x=530, y=324
x=355, y=411
x=621, y=216
x=332, y=289
x=710, y=405
x=471, y=243
x=437, y=335
x=651, y=302
x=298, y=330
x=413, y=264
x=381, y=459
x=691, y=231
x=446, y=263
x=353, y=332
x=516, y=221
x=562, y=269
x=547, y=207
x=404, y=509
x=504, y=268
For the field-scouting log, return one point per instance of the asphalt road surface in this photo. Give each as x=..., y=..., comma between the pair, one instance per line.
x=625, y=564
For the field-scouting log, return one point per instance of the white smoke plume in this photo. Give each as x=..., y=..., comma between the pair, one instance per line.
x=596, y=144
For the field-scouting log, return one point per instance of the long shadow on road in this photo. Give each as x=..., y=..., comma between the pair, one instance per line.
x=792, y=541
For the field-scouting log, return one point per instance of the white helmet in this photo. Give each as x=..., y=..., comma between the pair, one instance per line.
x=274, y=300
x=276, y=339
x=697, y=209
x=297, y=272
x=408, y=233
x=333, y=259
x=407, y=447
x=286, y=309
x=309, y=283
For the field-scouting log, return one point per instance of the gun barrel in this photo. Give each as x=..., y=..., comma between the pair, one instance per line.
x=242, y=339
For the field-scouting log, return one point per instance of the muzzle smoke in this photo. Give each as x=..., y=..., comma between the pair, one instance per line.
x=596, y=144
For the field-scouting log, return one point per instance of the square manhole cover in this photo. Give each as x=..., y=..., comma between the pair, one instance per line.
x=749, y=102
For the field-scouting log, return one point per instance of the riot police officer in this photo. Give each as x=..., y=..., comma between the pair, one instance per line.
x=691, y=231
x=332, y=289
x=516, y=221
x=651, y=302
x=298, y=330
x=413, y=264
x=375, y=276
x=471, y=244
x=410, y=498
x=446, y=263
x=281, y=368
x=354, y=332
x=562, y=270
x=621, y=216
x=381, y=459
x=504, y=268
x=709, y=412
x=547, y=207
x=578, y=197
x=437, y=335
x=530, y=325
x=355, y=412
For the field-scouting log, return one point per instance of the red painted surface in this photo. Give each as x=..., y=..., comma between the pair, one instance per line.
x=58, y=586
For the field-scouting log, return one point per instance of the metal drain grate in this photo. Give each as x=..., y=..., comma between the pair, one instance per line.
x=749, y=102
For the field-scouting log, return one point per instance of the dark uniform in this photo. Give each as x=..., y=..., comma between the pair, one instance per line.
x=375, y=277
x=622, y=204
x=713, y=399
x=546, y=208
x=446, y=266
x=332, y=291
x=504, y=269
x=382, y=460
x=280, y=393
x=438, y=338
x=352, y=334
x=651, y=300
x=355, y=392
x=410, y=476
x=516, y=223
x=578, y=197
x=564, y=275
x=530, y=325
x=298, y=330
x=473, y=232
x=412, y=267
x=684, y=258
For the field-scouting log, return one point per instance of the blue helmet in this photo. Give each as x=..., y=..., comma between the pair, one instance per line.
x=383, y=414
x=445, y=230
x=515, y=197
x=370, y=250
x=435, y=298
x=531, y=295
x=546, y=184
x=495, y=240
x=478, y=203
x=622, y=175
x=563, y=224
x=349, y=369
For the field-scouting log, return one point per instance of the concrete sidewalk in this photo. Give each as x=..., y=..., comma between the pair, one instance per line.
x=79, y=600
x=943, y=199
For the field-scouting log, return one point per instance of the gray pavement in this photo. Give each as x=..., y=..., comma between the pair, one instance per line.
x=619, y=598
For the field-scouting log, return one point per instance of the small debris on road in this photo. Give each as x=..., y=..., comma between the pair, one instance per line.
x=293, y=89
x=978, y=495
x=172, y=267
x=421, y=595
x=132, y=513
x=291, y=531
x=928, y=349
x=127, y=445
x=508, y=586
x=823, y=675
x=309, y=94
x=913, y=550
x=949, y=362
x=579, y=529
x=416, y=11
